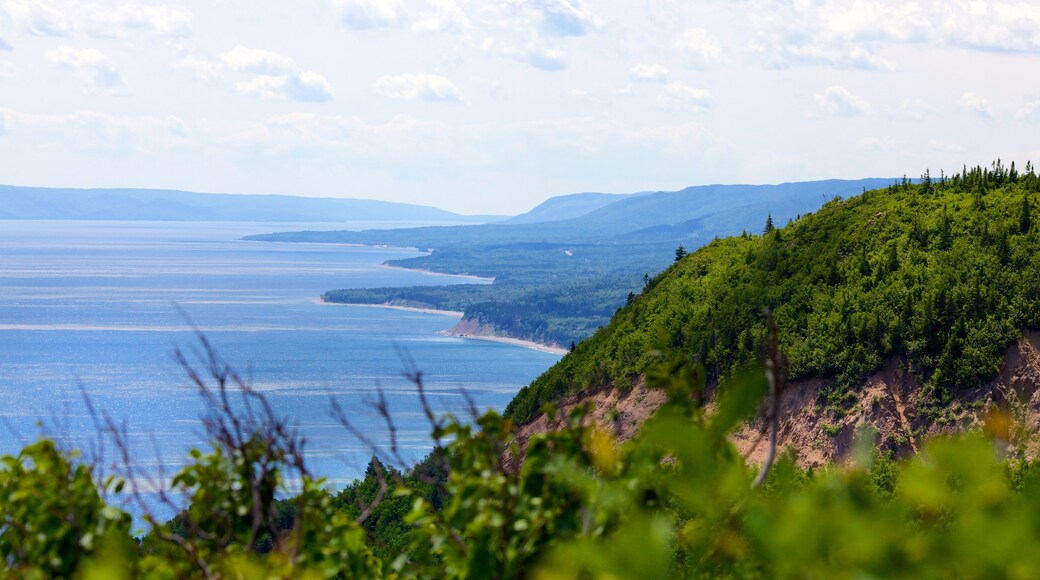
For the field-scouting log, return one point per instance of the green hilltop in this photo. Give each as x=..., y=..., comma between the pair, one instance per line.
x=944, y=272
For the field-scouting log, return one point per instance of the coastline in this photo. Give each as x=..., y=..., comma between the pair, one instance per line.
x=432, y=273
x=449, y=332
x=506, y=340
x=454, y=313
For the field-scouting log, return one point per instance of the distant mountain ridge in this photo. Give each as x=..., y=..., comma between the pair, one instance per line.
x=564, y=207
x=691, y=215
x=42, y=203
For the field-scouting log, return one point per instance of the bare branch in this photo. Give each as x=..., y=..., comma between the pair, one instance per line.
x=378, y=499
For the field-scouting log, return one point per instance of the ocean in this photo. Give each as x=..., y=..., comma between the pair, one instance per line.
x=97, y=309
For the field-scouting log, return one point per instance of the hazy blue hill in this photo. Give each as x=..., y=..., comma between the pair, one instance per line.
x=171, y=205
x=710, y=209
x=729, y=203
x=564, y=207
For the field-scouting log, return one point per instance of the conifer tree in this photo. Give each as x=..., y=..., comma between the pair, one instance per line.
x=769, y=224
x=1025, y=220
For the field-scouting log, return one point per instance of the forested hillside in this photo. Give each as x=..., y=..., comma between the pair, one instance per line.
x=942, y=273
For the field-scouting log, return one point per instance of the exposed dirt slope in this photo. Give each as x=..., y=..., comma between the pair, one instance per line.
x=621, y=411
x=891, y=401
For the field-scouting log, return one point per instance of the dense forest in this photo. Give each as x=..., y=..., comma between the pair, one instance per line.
x=941, y=274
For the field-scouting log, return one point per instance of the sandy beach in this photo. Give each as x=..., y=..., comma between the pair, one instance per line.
x=321, y=302
x=506, y=340
x=491, y=338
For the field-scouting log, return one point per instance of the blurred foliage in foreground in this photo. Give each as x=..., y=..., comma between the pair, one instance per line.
x=678, y=500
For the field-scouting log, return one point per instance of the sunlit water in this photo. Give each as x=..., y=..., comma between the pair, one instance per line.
x=94, y=307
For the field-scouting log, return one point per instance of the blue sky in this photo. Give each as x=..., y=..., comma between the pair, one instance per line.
x=493, y=106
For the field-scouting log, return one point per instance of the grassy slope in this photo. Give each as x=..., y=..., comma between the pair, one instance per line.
x=945, y=274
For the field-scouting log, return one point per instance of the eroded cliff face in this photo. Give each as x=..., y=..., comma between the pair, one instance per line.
x=891, y=401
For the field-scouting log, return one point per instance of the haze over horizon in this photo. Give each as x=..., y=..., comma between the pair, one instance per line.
x=479, y=107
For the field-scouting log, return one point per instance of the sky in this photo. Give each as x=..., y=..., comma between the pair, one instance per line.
x=492, y=106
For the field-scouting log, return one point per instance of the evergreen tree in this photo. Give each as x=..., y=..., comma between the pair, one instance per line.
x=945, y=231
x=1025, y=220
x=769, y=224
x=680, y=253
x=926, y=182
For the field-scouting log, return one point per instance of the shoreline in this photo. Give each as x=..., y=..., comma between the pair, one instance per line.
x=432, y=273
x=447, y=332
x=455, y=313
x=506, y=340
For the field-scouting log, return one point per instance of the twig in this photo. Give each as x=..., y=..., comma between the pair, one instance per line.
x=378, y=499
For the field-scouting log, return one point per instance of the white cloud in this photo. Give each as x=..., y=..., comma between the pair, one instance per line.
x=976, y=105
x=201, y=69
x=870, y=20
x=306, y=86
x=277, y=76
x=90, y=19
x=540, y=57
x=257, y=61
x=679, y=94
x=851, y=35
x=4, y=45
x=422, y=86
x=364, y=14
x=547, y=59
x=855, y=57
x=839, y=101
x=698, y=48
x=650, y=72
x=3, y=123
x=36, y=17
x=564, y=17
x=833, y=33
x=993, y=26
x=309, y=86
x=264, y=86
x=89, y=64
x=446, y=15
x=163, y=20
